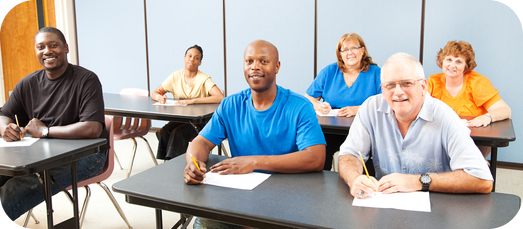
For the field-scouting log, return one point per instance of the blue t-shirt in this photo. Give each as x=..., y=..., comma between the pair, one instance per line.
x=289, y=125
x=331, y=86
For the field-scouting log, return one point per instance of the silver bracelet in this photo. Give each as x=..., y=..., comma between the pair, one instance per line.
x=487, y=114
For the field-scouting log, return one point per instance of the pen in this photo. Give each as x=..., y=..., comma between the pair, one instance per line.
x=18, y=124
x=195, y=162
x=365, y=167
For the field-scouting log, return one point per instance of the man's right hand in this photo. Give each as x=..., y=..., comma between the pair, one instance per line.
x=13, y=133
x=192, y=175
x=363, y=186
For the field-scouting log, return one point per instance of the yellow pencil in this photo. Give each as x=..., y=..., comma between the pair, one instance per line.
x=195, y=162
x=365, y=167
x=18, y=124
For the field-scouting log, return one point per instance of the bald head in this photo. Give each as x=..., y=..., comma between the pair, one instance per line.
x=262, y=44
x=402, y=60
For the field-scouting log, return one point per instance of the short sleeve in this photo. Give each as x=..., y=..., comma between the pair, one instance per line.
x=317, y=87
x=215, y=130
x=309, y=131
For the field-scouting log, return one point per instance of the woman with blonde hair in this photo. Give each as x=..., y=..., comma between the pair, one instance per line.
x=345, y=84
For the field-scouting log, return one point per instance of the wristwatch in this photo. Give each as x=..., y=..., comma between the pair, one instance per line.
x=45, y=132
x=425, y=182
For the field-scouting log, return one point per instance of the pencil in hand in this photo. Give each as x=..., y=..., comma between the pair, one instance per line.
x=18, y=124
x=195, y=162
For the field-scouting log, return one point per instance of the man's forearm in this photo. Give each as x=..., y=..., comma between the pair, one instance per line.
x=350, y=167
x=311, y=159
x=459, y=182
x=87, y=129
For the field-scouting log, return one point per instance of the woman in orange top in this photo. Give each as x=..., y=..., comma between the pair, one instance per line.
x=467, y=92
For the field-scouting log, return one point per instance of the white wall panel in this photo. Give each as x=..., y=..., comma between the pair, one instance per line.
x=174, y=26
x=387, y=27
x=289, y=25
x=111, y=42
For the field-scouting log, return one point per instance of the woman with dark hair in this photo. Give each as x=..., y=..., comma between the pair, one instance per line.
x=465, y=91
x=191, y=86
x=344, y=85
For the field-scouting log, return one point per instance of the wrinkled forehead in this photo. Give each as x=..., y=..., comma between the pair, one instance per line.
x=398, y=70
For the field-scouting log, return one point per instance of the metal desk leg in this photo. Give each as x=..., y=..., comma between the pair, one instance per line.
x=493, y=160
x=48, y=200
x=158, y=219
x=74, y=178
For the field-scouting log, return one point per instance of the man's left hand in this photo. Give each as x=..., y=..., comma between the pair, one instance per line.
x=35, y=128
x=235, y=165
x=398, y=182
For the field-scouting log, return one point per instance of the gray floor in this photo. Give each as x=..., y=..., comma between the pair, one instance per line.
x=102, y=214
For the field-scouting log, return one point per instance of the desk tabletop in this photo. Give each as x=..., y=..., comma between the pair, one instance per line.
x=501, y=131
x=312, y=200
x=44, y=154
x=142, y=107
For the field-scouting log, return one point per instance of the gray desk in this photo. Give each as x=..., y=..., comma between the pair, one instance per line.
x=142, y=107
x=313, y=200
x=45, y=154
x=497, y=134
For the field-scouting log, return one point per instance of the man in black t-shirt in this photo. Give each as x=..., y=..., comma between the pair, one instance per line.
x=60, y=101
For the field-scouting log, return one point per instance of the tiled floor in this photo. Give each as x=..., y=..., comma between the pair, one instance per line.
x=102, y=214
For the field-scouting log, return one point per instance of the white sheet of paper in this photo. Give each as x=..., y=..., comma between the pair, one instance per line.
x=411, y=201
x=26, y=141
x=333, y=112
x=170, y=103
x=247, y=181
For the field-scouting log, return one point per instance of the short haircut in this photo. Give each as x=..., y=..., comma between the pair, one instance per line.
x=403, y=57
x=195, y=47
x=366, y=60
x=456, y=49
x=52, y=30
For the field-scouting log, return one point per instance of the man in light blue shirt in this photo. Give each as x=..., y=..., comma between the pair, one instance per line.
x=417, y=142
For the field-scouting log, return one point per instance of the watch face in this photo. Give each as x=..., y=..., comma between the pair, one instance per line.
x=425, y=179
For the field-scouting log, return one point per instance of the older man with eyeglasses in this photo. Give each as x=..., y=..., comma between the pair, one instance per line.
x=417, y=142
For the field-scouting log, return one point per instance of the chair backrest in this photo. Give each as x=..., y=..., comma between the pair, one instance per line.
x=131, y=127
x=109, y=163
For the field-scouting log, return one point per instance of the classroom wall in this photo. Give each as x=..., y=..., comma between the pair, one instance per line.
x=112, y=39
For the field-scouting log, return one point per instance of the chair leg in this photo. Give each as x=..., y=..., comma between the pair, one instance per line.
x=84, y=206
x=132, y=158
x=116, y=157
x=150, y=150
x=29, y=215
x=116, y=205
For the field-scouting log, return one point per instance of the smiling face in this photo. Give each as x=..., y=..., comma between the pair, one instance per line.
x=192, y=59
x=406, y=102
x=453, y=67
x=51, y=53
x=261, y=65
x=352, y=58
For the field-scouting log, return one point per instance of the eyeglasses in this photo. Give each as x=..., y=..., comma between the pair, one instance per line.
x=350, y=49
x=404, y=84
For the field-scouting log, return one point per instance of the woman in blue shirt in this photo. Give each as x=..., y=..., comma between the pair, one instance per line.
x=344, y=85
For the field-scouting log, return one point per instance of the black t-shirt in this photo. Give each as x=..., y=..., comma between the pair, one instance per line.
x=73, y=97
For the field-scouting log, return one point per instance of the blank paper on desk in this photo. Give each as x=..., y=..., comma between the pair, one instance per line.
x=411, y=201
x=26, y=141
x=247, y=181
x=332, y=112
